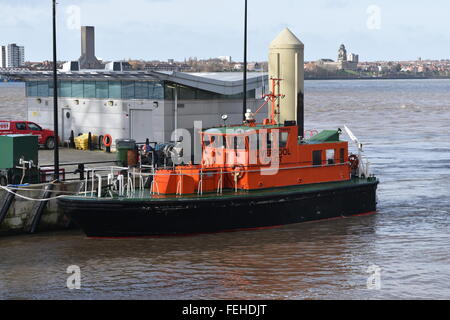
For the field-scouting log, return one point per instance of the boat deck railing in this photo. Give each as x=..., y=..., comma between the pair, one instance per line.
x=125, y=182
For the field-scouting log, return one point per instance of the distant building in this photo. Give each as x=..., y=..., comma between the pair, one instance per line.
x=342, y=54
x=238, y=67
x=345, y=61
x=225, y=58
x=254, y=66
x=351, y=57
x=12, y=56
x=2, y=57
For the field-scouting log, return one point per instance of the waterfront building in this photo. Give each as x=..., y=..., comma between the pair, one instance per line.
x=342, y=57
x=138, y=104
x=344, y=62
x=352, y=57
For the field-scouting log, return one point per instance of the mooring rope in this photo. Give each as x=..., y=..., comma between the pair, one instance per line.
x=28, y=198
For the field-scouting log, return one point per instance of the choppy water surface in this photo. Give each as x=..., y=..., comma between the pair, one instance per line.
x=405, y=128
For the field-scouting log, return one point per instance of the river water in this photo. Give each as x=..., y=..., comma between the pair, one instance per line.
x=405, y=128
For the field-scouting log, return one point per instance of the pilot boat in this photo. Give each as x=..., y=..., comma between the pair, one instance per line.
x=251, y=175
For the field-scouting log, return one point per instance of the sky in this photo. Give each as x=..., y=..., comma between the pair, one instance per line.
x=178, y=29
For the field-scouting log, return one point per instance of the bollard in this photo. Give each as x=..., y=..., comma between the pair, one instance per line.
x=80, y=171
x=100, y=143
x=72, y=140
x=90, y=145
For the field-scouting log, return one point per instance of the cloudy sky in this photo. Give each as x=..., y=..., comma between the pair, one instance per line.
x=161, y=29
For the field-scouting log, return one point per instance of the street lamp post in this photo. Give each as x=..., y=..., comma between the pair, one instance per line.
x=55, y=97
x=245, y=62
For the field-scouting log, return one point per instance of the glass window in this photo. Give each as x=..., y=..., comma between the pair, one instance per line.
x=317, y=158
x=34, y=127
x=21, y=126
x=342, y=156
x=89, y=89
x=208, y=140
x=32, y=89
x=158, y=91
x=330, y=156
x=77, y=89
x=239, y=143
x=51, y=87
x=253, y=139
x=115, y=90
x=101, y=89
x=205, y=95
x=128, y=89
x=168, y=92
x=186, y=93
x=141, y=90
x=269, y=140
x=284, y=139
x=66, y=89
x=250, y=95
x=42, y=90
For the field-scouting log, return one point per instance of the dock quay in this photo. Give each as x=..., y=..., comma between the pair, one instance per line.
x=22, y=215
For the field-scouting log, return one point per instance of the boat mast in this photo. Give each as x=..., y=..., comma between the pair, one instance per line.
x=245, y=62
x=55, y=97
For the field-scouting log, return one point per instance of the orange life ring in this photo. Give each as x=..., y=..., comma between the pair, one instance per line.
x=107, y=140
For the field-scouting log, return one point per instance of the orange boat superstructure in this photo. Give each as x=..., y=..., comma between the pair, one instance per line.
x=258, y=156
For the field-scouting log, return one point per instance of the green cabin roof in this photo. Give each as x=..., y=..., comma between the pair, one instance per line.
x=326, y=136
x=239, y=129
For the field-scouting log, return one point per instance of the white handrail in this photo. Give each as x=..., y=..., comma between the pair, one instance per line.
x=220, y=184
x=137, y=176
x=99, y=195
x=120, y=178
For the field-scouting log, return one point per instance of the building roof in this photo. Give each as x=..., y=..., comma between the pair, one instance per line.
x=226, y=83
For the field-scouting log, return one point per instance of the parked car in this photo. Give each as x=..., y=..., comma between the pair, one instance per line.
x=46, y=137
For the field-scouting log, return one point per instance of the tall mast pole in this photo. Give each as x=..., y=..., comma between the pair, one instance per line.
x=245, y=60
x=55, y=97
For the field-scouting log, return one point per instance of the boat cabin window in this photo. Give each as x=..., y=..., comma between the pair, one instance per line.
x=342, y=156
x=317, y=158
x=269, y=140
x=253, y=141
x=284, y=138
x=330, y=156
x=239, y=143
x=214, y=141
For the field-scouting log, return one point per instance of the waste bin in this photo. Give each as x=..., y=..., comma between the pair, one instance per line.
x=123, y=146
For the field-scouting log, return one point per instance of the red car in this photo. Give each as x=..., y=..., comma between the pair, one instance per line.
x=46, y=137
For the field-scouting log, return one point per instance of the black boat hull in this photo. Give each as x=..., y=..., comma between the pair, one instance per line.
x=182, y=216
